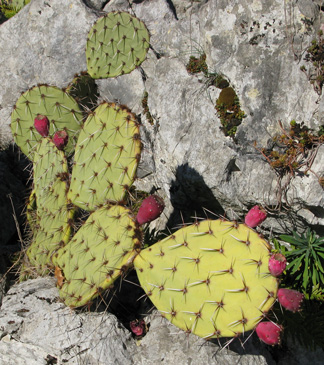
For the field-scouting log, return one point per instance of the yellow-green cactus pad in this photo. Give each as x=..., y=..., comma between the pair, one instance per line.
x=58, y=106
x=102, y=249
x=117, y=43
x=52, y=228
x=106, y=157
x=49, y=211
x=48, y=164
x=210, y=278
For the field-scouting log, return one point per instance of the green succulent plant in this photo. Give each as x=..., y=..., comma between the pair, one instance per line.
x=306, y=261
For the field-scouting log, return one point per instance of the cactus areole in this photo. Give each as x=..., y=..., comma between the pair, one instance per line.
x=210, y=278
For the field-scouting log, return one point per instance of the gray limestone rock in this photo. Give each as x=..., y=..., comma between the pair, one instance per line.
x=33, y=316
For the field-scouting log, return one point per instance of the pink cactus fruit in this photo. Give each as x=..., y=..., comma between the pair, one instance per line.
x=41, y=124
x=60, y=139
x=290, y=299
x=138, y=327
x=255, y=216
x=269, y=332
x=277, y=264
x=151, y=208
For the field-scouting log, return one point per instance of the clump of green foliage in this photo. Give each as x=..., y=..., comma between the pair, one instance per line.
x=305, y=273
x=146, y=109
x=305, y=270
x=9, y=8
x=315, y=58
x=229, y=111
x=196, y=65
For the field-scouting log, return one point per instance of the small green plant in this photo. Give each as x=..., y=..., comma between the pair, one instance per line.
x=197, y=64
x=229, y=111
x=293, y=153
x=9, y=8
x=146, y=109
x=315, y=58
x=306, y=262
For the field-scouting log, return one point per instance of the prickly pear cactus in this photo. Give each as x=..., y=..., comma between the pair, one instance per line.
x=106, y=157
x=49, y=211
x=98, y=254
x=53, y=228
x=58, y=106
x=117, y=43
x=84, y=90
x=210, y=278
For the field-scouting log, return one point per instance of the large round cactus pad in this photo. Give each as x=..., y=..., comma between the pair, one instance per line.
x=99, y=253
x=117, y=43
x=58, y=106
x=210, y=279
x=106, y=157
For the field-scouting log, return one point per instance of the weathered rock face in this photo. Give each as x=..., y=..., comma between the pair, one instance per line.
x=258, y=47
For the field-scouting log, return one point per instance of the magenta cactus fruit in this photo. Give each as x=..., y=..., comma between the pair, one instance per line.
x=269, y=332
x=41, y=124
x=60, y=139
x=138, y=327
x=290, y=299
x=151, y=208
x=277, y=264
x=255, y=216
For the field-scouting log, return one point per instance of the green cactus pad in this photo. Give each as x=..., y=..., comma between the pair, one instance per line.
x=117, y=43
x=98, y=254
x=53, y=227
x=106, y=157
x=210, y=278
x=58, y=106
x=84, y=90
x=48, y=211
x=48, y=164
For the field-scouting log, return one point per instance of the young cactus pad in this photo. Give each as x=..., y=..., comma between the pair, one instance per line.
x=48, y=163
x=210, y=278
x=59, y=107
x=53, y=228
x=98, y=254
x=117, y=43
x=106, y=157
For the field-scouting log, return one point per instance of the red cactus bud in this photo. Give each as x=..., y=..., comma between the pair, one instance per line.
x=41, y=124
x=137, y=327
x=151, y=208
x=255, y=216
x=290, y=299
x=277, y=264
x=269, y=332
x=60, y=139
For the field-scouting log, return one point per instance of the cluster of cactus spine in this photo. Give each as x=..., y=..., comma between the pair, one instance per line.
x=213, y=278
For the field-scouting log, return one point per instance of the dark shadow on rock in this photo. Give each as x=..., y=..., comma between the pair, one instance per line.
x=191, y=197
x=14, y=177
